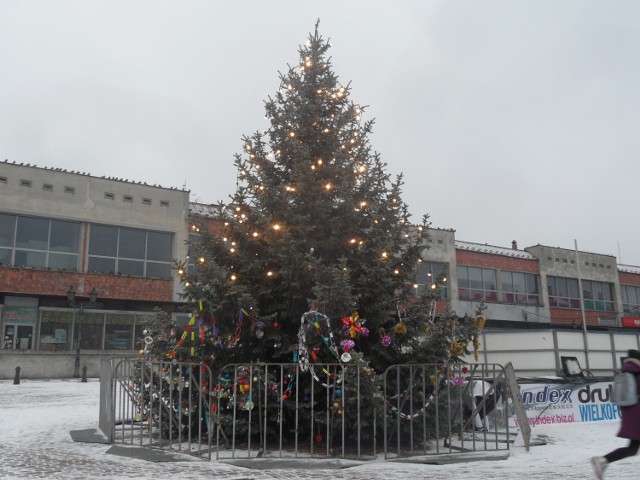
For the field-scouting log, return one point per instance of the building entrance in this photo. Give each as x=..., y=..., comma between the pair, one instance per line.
x=17, y=337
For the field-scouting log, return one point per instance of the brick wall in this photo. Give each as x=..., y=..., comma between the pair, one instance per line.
x=629, y=278
x=566, y=316
x=214, y=225
x=22, y=281
x=499, y=262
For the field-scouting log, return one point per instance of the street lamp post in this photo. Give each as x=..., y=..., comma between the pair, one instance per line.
x=71, y=297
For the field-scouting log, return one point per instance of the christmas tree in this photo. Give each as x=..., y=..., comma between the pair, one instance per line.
x=316, y=223
x=316, y=264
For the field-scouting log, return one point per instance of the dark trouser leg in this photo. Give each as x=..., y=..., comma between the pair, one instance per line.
x=624, y=452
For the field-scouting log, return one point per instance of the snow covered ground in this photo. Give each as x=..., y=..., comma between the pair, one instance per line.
x=37, y=416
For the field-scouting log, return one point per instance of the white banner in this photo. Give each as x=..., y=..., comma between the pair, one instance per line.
x=554, y=403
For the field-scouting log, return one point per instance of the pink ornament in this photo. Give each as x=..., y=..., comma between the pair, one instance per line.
x=347, y=344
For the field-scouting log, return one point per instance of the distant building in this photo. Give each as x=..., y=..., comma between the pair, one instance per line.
x=537, y=286
x=84, y=260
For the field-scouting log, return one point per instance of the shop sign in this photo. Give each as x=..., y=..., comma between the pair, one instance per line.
x=631, y=322
x=19, y=315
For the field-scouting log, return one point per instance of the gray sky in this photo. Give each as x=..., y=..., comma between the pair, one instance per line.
x=511, y=120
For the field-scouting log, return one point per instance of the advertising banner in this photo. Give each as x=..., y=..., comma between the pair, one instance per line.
x=555, y=403
x=630, y=322
x=19, y=315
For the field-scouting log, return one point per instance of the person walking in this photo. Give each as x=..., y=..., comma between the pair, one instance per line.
x=630, y=424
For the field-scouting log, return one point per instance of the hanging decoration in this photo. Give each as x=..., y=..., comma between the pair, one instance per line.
x=314, y=320
x=353, y=325
x=346, y=345
x=385, y=340
x=183, y=338
x=432, y=312
x=208, y=332
x=400, y=328
x=319, y=324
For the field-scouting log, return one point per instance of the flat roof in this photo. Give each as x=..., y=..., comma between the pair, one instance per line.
x=494, y=250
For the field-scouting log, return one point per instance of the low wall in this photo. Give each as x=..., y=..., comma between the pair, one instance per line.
x=531, y=352
x=539, y=352
x=39, y=365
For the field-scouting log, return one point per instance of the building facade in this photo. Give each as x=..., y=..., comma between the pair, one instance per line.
x=538, y=286
x=85, y=260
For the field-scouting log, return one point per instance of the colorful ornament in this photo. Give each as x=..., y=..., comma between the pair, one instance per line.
x=352, y=325
x=400, y=328
x=347, y=344
x=385, y=340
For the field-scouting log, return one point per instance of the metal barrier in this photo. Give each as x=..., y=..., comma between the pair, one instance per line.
x=309, y=411
x=163, y=405
x=106, y=418
x=284, y=409
x=435, y=409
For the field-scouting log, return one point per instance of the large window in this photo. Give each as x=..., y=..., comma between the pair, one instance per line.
x=119, y=331
x=519, y=288
x=130, y=251
x=597, y=296
x=564, y=293
x=191, y=262
x=427, y=273
x=630, y=299
x=88, y=329
x=7, y=238
x=475, y=283
x=39, y=242
x=56, y=330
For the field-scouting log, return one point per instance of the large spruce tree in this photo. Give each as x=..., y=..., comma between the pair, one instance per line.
x=316, y=225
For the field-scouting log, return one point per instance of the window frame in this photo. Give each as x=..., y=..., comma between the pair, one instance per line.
x=475, y=292
x=593, y=294
x=630, y=304
x=36, y=251
x=426, y=269
x=510, y=295
x=129, y=257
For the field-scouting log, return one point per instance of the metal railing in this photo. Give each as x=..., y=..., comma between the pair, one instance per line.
x=285, y=410
x=446, y=408
x=165, y=405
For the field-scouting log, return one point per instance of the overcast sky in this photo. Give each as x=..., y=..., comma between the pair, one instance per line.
x=511, y=120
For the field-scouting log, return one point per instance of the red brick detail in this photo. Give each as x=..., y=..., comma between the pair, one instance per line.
x=499, y=262
x=566, y=316
x=441, y=307
x=214, y=226
x=23, y=281
x=629, y=278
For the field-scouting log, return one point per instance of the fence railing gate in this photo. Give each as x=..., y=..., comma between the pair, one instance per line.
x=313, y=411
x=445, y=408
